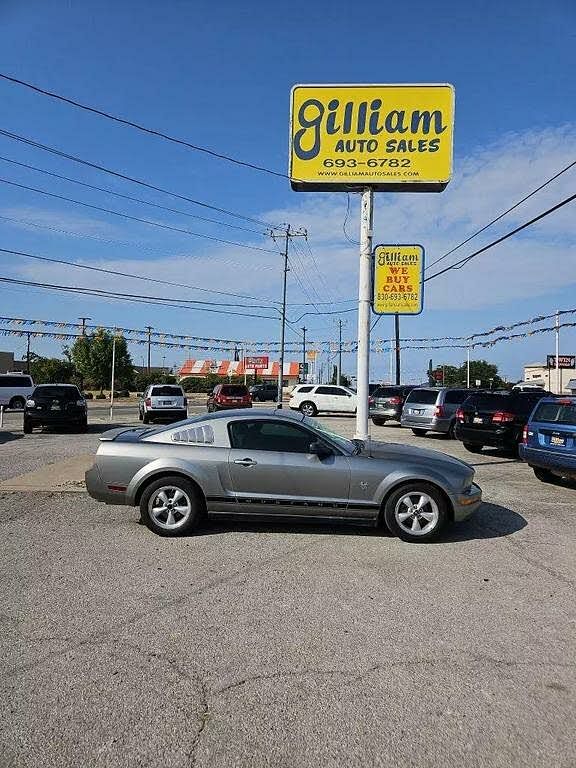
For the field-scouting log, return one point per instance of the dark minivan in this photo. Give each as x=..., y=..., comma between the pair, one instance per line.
x=386, y=403
x=59, y=405
x=495, y=419
x=267, y=390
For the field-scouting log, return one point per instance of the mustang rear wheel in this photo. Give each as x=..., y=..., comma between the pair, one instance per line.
x=171, y=506
x=415, y=512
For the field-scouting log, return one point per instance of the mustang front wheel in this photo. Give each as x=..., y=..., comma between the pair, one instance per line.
x=170, y=506
x=415, y=512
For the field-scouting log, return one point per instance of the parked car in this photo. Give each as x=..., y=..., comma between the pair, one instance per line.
x=226, y=396
x=15, y=389
x=496, y=419
x=265, y=391
x=386, y=403
x=163, y=401
x=273, y=463
x=323, y=398
x=432, y=409
x=549, y=439
x=59, y=405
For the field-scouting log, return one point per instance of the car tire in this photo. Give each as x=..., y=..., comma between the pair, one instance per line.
x=473, y=447
x=419, y=432
x=544, y=475
x=411, y=524
x=379, y=422
x=451, y=434
x=27, y=426
x=83, y=426
x=308, y=408
x=145, y=418
x=139, y=415
x=178, y=518
x=17, y=403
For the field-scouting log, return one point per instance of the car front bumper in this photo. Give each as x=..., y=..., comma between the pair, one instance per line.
x=166, y=413
x=49, y=418
x=467, y=502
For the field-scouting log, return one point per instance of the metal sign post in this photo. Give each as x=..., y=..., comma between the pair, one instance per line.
x=364, y=304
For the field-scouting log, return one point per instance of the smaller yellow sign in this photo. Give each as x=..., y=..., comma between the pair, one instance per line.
x=398, y=280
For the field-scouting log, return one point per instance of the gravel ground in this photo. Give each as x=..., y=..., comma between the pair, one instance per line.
x=282, y=645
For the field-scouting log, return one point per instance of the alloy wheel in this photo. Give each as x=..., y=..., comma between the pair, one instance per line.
x=170, y=507
x=417, y=513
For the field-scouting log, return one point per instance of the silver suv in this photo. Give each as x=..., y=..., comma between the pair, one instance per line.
x=432, y=409
x=163, y=401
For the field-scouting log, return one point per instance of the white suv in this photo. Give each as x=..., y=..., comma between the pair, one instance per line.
x=316, y=398
x=15, y=389
x=163, y=401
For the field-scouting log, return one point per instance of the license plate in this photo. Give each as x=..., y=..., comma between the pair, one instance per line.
x=557, y=440
x=417, y=411
x=166, y=402
x=478, y=420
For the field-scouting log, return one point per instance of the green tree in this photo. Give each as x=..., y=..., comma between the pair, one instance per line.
x=51, y=370
x=455, y=376
x=143, y=379
x=92, y=357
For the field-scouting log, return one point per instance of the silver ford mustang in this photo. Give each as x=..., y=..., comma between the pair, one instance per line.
x=281, y=464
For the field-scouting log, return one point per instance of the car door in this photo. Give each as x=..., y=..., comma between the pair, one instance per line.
x=272, y=470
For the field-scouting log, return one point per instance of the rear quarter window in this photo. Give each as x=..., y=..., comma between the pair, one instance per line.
x=423, y=396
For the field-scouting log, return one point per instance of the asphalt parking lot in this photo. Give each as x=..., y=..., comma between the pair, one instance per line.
x=280, y=645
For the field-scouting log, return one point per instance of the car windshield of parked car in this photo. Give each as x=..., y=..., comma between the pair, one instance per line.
x=423, y=396
x=487, y=401
x=386, y=392
x=559, y=413
x=231, y=390
x=66, y=393
x=347, y=445
x=166, y=391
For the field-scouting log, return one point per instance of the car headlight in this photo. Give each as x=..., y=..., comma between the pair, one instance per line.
x=30, y=403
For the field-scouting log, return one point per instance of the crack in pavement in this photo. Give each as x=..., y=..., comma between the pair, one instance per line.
x=104, y=635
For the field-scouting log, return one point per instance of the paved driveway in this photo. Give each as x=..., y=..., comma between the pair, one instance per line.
x=282, y=645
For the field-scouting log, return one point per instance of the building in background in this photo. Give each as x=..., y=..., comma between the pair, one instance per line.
x=227, y=368
x=542, y=375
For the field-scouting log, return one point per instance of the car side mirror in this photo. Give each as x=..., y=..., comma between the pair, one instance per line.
x=320, y=449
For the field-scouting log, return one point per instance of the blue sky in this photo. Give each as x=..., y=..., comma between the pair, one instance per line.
x=219, y=75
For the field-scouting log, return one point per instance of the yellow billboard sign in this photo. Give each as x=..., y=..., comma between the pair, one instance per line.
x=398, y=279
x=390, y=137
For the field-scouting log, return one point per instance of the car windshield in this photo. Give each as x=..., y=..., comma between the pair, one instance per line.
x=423, y=396
x=67, y=393
x=559, y=413
x=386, y=392
x=166, y=391
x=348, y=446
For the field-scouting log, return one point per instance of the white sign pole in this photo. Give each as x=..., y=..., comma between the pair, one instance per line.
x=112, y=382
x=364, y=304
x=468, y=367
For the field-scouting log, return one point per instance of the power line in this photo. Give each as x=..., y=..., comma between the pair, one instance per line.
x=135, y=218
x=132, y=244
x=129, y=197
x=138, y=298
x=505, y=213
x=142, y=128
x=354, y=242
x=117, y=273
x=131, y=179
x=462, y=262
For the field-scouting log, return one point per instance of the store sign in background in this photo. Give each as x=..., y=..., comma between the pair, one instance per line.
x=564, y=361
x=256, y=363
x=398, y=279
x=393, y=137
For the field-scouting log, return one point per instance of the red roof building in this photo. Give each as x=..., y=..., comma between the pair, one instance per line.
x=224, y=368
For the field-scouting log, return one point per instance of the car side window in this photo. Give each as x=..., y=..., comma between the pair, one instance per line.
x=260, y=435
x=332, y=391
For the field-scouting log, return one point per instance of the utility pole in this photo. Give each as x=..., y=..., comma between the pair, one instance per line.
x=28, y=352
x=84, y=324
x=149, y=329
x=397, y=337
x=364, y=308
x=304, y=377
x=558, y=388
x=468, y=367
x=288, y=234
x=339, y=376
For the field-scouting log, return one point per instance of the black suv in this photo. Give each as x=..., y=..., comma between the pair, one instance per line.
x=55, y=405
x=495, y=419
x=386, y=403
x=265, y=391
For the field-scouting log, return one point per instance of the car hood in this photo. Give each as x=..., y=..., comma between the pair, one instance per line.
x=401, y=452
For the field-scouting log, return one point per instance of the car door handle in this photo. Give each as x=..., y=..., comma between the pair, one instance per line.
x=245, y=462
